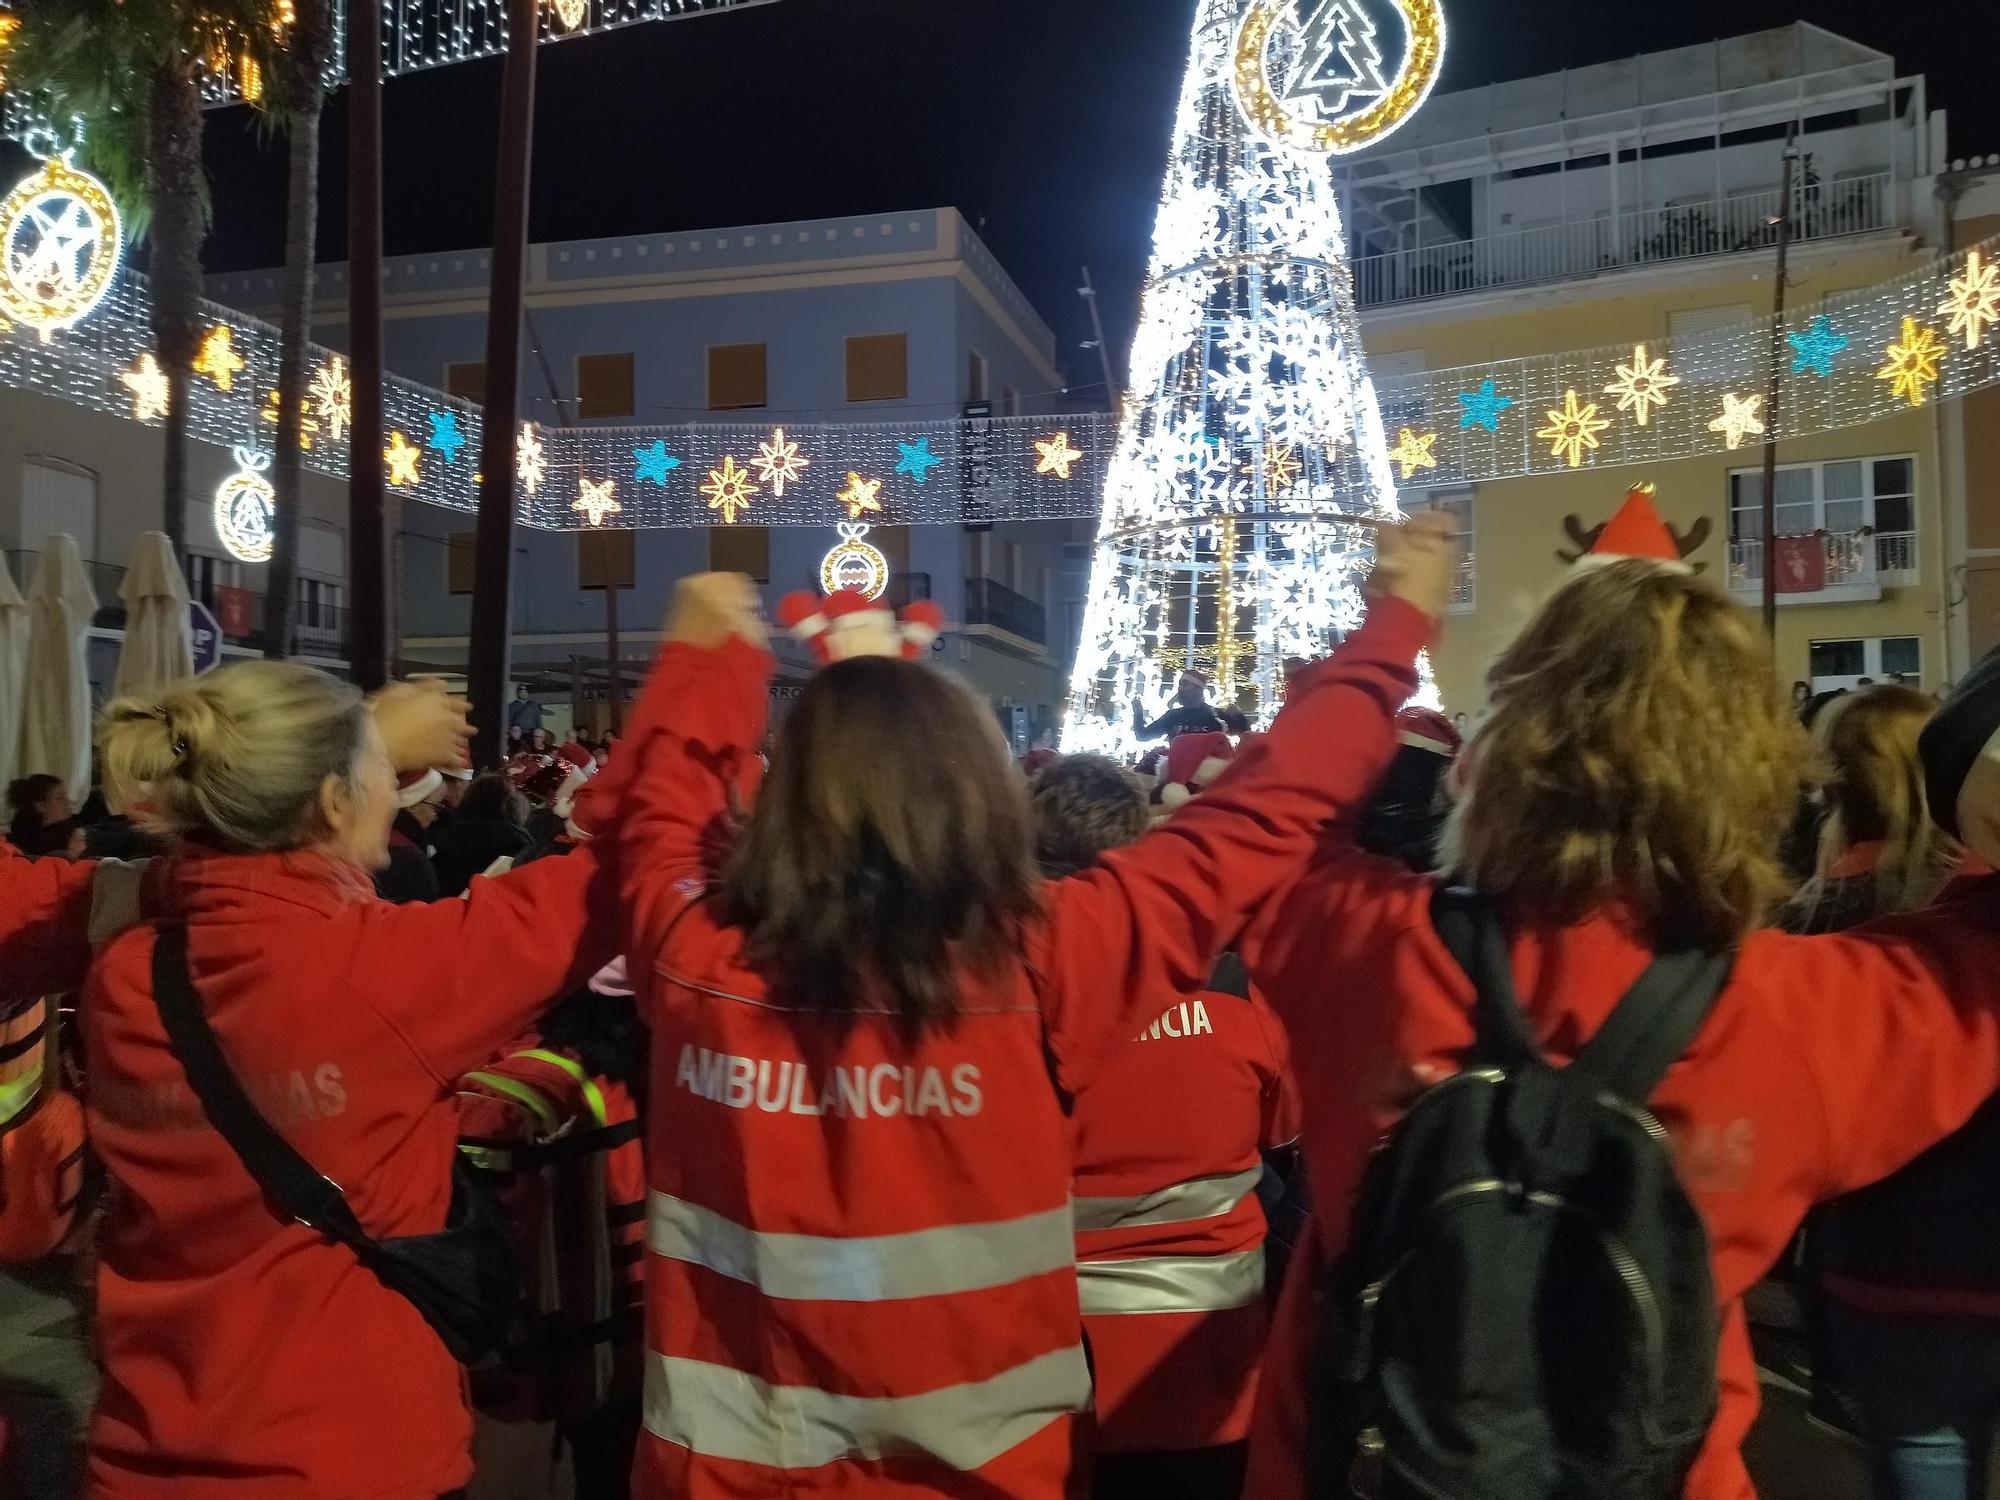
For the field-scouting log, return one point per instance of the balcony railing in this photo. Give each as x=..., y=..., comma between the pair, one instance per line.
x=1558, y=252
x=1855, y=561
x=988, y=602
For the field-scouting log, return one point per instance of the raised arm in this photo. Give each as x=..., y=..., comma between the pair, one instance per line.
x=44, y=925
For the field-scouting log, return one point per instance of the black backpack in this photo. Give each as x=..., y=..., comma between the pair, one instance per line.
x=1525, y=1310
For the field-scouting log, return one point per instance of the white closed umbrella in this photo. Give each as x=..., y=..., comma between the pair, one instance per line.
x=13, y=669
x=159, y=644
x=55, y=698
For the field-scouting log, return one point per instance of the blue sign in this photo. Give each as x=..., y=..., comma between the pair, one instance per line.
x=207, y=636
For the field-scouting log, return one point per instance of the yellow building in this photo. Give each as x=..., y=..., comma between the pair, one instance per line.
x=1636, y=202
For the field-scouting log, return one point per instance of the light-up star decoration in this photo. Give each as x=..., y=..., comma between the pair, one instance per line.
x=1913, y=362
x=860, y=495
x=653, y=465
x=217, y=358
x=445, y=436
x=1975, y=299
x=531, y=464
x=60, y=240
x=729, y=490
x=331, y=392
x=1057, y=456
x=1482, y=408
x=779, y=462
x=1281, y=467
x=1413, y=451
x=1642, y=385
x=1817, y=348
x=917, y=460
x=596, y=500
x=1573, y=429
x=148, y=384
x=1739, y=419
x=402, y=457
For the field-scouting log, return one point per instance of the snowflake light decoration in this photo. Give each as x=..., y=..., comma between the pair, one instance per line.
x=1913, y=362
x=1573, y=429
x=1739, y=419
x=148, y=384
x=1974, y=302
x=530, y=461
x=217, y=358
x=1642, y=385
x=860, y=495
x=729, y=490
x=331, y=392
x=779, y=462
x=1413, y=451
x=596, y=500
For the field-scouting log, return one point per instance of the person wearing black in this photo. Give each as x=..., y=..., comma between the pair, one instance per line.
x=491, y=823
x=1191, y=712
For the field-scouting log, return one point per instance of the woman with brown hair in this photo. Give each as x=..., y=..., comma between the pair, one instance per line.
x=1624, y=800
x=868, y=1020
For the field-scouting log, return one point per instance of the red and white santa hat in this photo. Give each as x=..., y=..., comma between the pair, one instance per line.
x=1193, y=761
x=847, y=624
x=416, y=786
x=1427, y=729
x=1636, y=531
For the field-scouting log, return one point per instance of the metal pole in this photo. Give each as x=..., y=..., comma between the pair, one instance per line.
x=492, y=590
x=1088, y=291
x=1772, y=391
x=368, y=563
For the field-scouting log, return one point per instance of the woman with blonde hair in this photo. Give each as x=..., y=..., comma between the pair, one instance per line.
x=1623, y=803
x=245, y=1353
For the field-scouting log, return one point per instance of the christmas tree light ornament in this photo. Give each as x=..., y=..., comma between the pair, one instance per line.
x=402, y=458
x=1573, y=429
x=1739, y=419
x=1413, y=451
x=860, y=495
x=217, y=358
x=1057, y=456
x=245, y=505
x=729, y=490
x=331, y=392
x=148, y=384
x=855, y=565
x=779, y=462
x=1311, y=77
x=595, y=500
x=1913, y=362
x=60, y=242
x=530, y=462
x=1642, y=385
x=1975, y=299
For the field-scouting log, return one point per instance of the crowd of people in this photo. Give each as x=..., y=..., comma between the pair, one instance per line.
x=1368, y=1105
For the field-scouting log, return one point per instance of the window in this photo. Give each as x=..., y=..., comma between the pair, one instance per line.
x=1010, y=401
x=878, y=367
x=740, y=549
x=461, y=549
x=1843, y=663
x=467, y=381
x=206, y=573
x=603, y=386
x=975, y=376
x=736, y=377
x=602, y=554
x=1458, y=505
x=319, y=604
x=1867, y=505
x=58, y=498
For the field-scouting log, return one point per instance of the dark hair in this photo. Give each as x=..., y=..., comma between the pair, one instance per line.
x=494, y=796
x=24, y=796
x=1406, y=815
x=890, y=849
x=1084, y=805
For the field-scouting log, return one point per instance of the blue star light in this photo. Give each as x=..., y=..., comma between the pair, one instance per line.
x=654, y=463
x=1482, y=407
x=445, y=436
x=918, y=460
x=1817, y=348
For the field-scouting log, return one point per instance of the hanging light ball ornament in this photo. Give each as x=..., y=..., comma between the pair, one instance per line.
x=60, y=239
x=854, y=564
x=245, y=505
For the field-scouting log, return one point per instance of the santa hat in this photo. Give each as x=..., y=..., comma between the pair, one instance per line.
x=416, y=786
x=1636, y=531
x=575, y=753
x=1427, y=729
x=1960, y=750
x=847, y=624
x=1193, y=761
x=541, y=780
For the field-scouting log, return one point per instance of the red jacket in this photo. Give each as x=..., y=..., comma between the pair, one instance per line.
x=1170, y=1139
x=1827, y=1063
x=862, y=1280
x=244, y=1355
x=44, y=924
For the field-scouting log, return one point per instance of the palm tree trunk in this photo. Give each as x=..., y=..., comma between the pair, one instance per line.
x=174, y=184
x=311, y=40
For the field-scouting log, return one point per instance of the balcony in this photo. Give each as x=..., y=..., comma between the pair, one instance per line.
x=1858, y=565
x=991, y=603
x=1638, y=237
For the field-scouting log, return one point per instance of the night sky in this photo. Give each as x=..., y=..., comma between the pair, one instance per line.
x=1045, y=121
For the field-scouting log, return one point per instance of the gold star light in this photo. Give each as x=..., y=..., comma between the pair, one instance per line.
x=1975, y=299
x=596, y=500
x=1642, y=385
x=148, y=384
x=1739, y=419
x=1281, y=467
x=779, y=462
x=1913, y=362
x=859, y=495
x=529, y=464
x=1572, y=428
x=217, y=358
x=1413, y=451
x=308, y=424
x=332, y=393
x=729, y=490
x=1057, y=456
x=402, y=460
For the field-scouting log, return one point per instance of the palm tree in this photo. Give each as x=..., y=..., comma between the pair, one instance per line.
x=130, y=73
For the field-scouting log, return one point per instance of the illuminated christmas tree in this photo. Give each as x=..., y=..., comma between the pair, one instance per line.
x=1251, y=463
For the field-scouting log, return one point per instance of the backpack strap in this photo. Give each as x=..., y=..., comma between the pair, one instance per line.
x=1654, y=1024
x=1471, y=931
